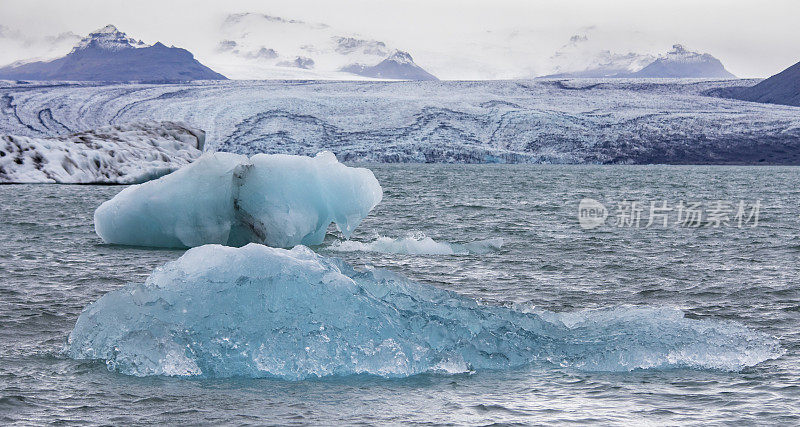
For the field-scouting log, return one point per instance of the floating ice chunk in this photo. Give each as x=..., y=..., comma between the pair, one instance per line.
x=257, y=311
x=419, y=245
x=190, y=207
x=484, y=246
x=293, y=199
x=123, y=154
x=279, y=200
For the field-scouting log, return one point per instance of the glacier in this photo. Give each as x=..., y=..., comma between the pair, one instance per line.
x=279, y=200
x=120, y=154
x=257, y=311
x=573, y=121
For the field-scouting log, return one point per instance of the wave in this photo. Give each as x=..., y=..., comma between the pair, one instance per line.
x=257, y=311
x=419, y=245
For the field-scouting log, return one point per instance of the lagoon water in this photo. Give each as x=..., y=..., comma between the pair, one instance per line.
x=52, y=265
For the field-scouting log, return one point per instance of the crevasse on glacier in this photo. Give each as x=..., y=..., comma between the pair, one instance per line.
x=257, y=311
x=279, y=200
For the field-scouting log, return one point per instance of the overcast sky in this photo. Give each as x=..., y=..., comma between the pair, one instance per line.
x=753, y=38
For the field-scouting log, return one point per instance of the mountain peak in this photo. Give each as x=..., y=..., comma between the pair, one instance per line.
x=677, y=49
x=401, y=57
x=681, y=54
x=683, y=63
x=399, y=65
x=108, y=29
x=108, y=38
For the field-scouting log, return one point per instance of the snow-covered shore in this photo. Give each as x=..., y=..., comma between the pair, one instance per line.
x=122, y=154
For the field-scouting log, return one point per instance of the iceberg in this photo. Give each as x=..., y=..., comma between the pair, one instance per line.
x=122, y=154
x=278, y=200
x=257, y=311
x=419, y=244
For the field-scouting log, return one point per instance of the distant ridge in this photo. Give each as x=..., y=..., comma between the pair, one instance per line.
x=782, y=88
x=110, y=55
x=677, y=63
x=681, y=63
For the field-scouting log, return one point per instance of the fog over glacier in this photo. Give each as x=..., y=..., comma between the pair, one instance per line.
x=451, y=40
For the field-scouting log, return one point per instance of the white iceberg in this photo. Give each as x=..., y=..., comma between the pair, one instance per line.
x=123, y=154
x=419, y=244
x=278, y=200
x=257, y=311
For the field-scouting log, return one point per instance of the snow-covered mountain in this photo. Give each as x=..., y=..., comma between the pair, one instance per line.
x=260, y=46
x=606, y=64
x=110, y=55
x=577, y=60
x=580, y=58
x=782, y=88
x=108, y=38
x=398, y=66
x=681, y=63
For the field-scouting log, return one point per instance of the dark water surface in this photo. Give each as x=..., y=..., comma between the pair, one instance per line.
x=52, y=265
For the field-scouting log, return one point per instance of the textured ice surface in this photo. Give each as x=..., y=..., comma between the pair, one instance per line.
x=257, y=311
x=122, y=154
x=419, y=245
x=279, y=200
x=569, y=121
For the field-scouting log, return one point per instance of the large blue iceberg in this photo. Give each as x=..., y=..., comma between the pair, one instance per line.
x=257, y=311
x=277, y=199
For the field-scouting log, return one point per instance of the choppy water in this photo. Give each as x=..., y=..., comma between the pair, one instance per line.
x=52, y=265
